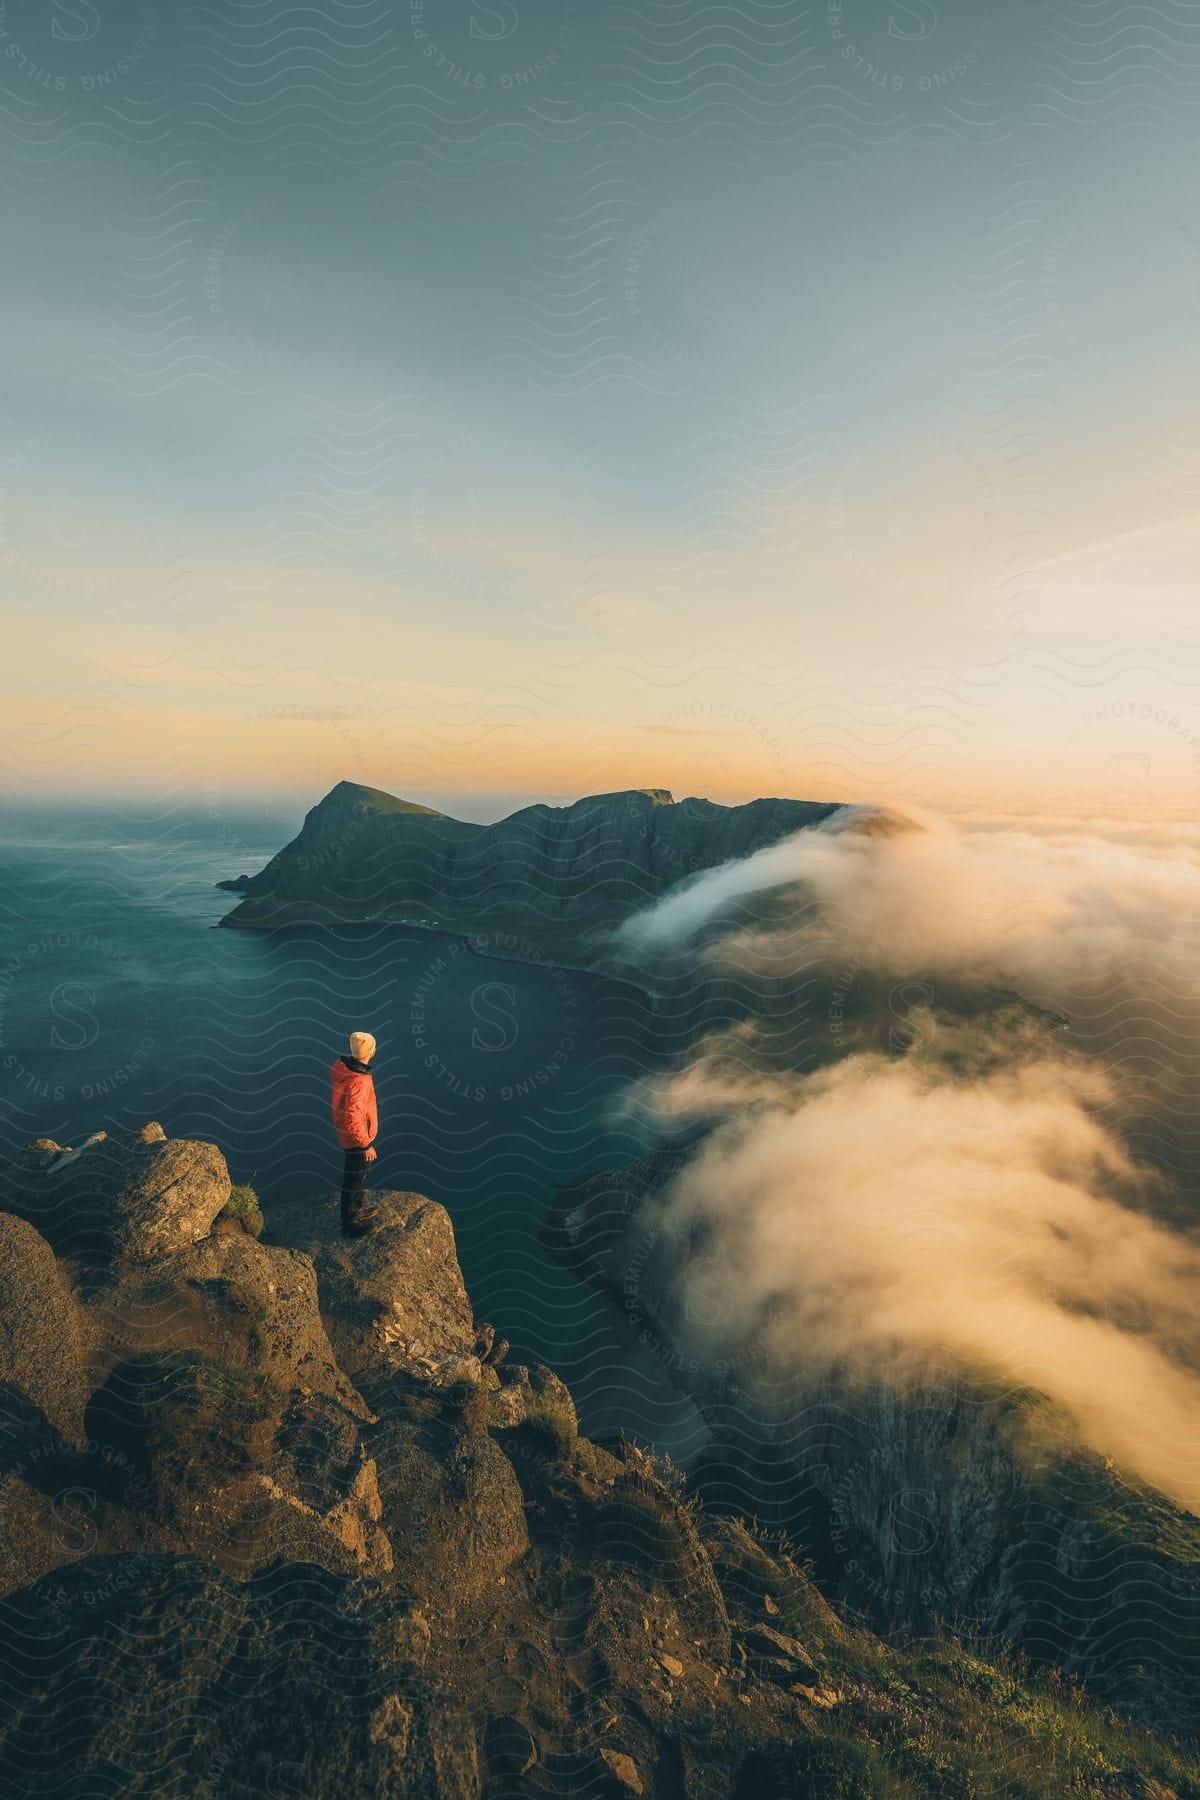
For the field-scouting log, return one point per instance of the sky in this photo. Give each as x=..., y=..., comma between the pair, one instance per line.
x=512, y=399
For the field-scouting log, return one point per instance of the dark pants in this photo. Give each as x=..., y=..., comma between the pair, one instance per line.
x=354, y=1181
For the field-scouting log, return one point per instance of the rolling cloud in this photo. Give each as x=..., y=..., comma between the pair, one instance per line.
x=886, y=1210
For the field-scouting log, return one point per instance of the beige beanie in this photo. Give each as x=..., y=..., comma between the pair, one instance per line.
x=362, y=1045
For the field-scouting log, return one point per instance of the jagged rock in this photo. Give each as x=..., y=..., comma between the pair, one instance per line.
x=453, y=1518
x=412, y=1636
x=320, y=1468
x=624, y=1769
x=342, y=1597
x=394, y=1295
x=510, y=1403
x=227, y=1470
x=445, y=1372
x=775, y=1651
x=490, y=1349
x=535, y=1402
x=127, y=1194
x=43, y=1343
x=234, y=1297
x=162, y=1675
x=276, y=1527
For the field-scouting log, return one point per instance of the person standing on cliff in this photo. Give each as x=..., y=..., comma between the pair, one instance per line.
x=356, y=1121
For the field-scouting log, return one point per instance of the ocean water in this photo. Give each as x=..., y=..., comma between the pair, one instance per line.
x=497, y=1081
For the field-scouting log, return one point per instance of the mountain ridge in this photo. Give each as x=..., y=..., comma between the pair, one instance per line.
x=562, y=879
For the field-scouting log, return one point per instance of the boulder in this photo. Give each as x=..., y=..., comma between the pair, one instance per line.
x=43, y=1342
x=537, y=1403
x=452, y=1509
x=779, y=1656
x=125, y=1194
x=168, y=1196
x=623, y=1770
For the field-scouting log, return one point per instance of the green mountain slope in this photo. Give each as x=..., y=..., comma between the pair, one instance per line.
x=552, y=882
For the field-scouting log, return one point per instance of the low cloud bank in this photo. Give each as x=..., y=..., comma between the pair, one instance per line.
x=1048, y=906
x=887, y=1210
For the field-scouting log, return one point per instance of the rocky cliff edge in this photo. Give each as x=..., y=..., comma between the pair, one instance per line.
x=271, y=1513
x=276, y=1517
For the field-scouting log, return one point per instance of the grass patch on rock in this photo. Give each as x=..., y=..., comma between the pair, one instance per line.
x=243, y=1206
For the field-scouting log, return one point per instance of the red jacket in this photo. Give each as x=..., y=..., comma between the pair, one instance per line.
x=355, y=1115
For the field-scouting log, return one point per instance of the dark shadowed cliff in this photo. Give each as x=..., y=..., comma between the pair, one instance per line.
x=546, y=884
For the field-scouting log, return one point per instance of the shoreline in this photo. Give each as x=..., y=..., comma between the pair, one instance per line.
x=485, y=953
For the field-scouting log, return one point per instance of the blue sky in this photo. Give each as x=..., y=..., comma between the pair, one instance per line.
x=520, y=398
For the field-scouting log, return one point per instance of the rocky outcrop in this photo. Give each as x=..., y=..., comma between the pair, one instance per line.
x=162, y=1675
x=255, y=1302
x=43, y=1339
x=279, y=1518
x=273, y=1506
x=548, y=883
x=122, y=1194
x=393, y=1297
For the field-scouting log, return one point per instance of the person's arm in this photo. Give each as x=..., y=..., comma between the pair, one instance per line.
x=373, y=1104
x=372, y=1118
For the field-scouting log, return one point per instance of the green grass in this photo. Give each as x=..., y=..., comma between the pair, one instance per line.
x=1141, y=1517
x=961, y=1718
x=243, y=1205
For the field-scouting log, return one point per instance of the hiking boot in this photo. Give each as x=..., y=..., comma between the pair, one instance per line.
x=358, y=1224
